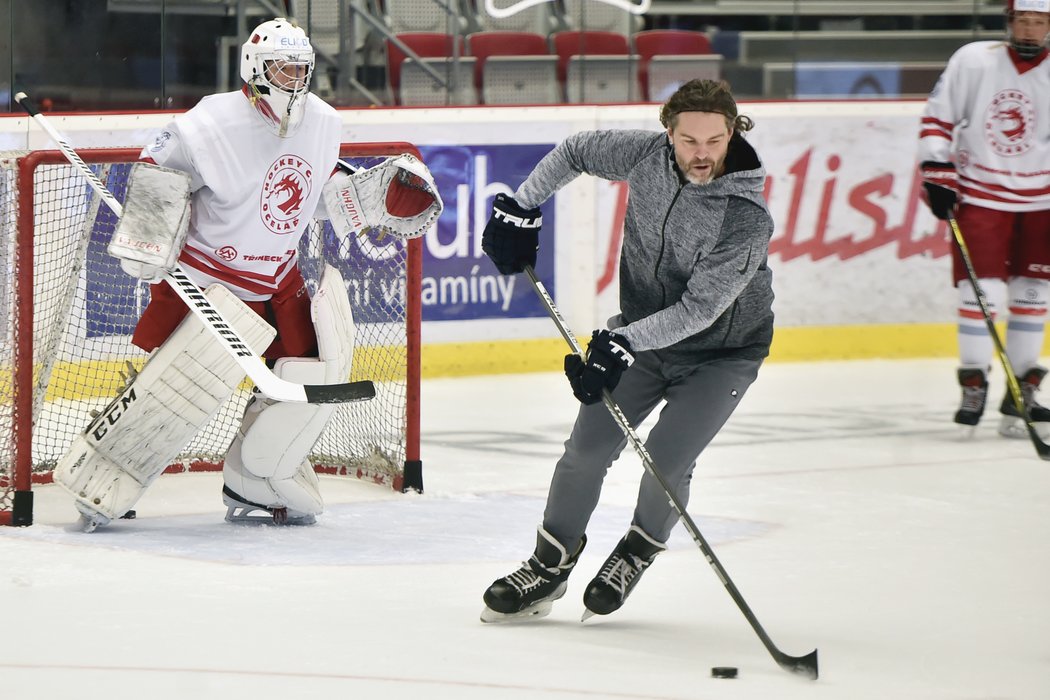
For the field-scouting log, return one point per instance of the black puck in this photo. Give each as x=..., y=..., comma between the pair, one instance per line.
x=723, y=672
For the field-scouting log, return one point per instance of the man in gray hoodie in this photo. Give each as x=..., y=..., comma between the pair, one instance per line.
x=694, y=327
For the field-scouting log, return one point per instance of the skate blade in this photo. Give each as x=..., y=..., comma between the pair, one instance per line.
x=1016, y=429
x=239, y=516
x=967, y=432
x=89, y=519
x=241, y=513
x=542, y=609
x=89, y=523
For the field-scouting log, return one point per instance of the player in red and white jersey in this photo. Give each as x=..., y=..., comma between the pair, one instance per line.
x=984, y=149
x=258, y=158
x=225, y=192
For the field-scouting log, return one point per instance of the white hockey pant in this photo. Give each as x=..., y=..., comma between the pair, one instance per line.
x=138, y=434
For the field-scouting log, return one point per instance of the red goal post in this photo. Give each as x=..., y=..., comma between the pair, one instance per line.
x=67, y=311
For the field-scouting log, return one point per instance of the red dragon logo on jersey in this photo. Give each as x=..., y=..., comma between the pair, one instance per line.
x=295, y=194
x=285, y=190
x=1009, y=123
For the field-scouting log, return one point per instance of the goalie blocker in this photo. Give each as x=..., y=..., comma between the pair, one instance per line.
x=153, y=227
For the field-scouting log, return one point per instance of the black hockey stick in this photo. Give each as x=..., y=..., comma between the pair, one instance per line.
x=802, y=665
x=1041, y=448
x=253, y=365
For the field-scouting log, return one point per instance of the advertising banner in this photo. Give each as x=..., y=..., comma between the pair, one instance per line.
x=853, y=243
x=459, y=281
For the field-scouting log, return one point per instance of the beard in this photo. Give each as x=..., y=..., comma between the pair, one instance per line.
x=705, y=176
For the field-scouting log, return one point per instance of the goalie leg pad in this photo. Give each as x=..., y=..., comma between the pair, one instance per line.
x=267, y=467
x=276, y=436
x=334, y=324
x=179, y=390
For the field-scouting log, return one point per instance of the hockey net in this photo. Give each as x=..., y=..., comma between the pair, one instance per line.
x=67, y=312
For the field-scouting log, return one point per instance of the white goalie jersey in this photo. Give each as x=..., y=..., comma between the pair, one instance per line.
x=990, y=115
x=254, y=192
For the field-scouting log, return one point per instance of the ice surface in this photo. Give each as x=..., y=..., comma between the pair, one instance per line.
x=840, y=499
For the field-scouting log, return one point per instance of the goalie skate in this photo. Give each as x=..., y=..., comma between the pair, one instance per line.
x=532, y=589
x=90, y=519
x=239, y=510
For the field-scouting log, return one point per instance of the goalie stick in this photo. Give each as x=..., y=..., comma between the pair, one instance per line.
x=801, y=665
x=1041, y=448
x=194, y=298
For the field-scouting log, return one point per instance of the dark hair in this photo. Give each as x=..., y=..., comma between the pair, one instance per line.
x=704, y=96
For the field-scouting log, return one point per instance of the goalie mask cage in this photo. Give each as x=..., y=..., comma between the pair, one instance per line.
x=67, y=312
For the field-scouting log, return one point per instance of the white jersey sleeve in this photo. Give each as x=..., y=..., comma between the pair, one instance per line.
x=945, y=107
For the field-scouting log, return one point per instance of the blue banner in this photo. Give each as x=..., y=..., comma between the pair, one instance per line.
x=459, y=281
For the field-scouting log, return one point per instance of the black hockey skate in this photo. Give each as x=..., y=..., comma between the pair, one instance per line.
x=620, y=573
x=1012, y=424
x=531, y=590
x=974, y=383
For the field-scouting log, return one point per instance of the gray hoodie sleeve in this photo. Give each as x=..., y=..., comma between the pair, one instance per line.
x=606, y=154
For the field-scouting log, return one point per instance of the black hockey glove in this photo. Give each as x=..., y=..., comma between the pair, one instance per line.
x=942, y=186
x=608, y=355
x=512, y=235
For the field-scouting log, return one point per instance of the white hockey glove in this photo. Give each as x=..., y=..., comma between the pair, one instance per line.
x=150, y=234
x=398, y=197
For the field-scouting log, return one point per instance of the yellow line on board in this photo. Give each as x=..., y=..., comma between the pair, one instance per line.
x=799, y=344
x=92, y=379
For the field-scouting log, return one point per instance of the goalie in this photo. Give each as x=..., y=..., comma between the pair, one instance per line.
x=226, y=191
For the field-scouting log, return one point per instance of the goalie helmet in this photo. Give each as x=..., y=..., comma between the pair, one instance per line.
x=1025, y=47
x=277, y=62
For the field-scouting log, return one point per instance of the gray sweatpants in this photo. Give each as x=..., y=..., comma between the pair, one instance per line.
x=699, y=400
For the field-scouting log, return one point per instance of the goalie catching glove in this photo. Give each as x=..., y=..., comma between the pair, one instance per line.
x=397, y=196
x=152, y=230
x=608, y=357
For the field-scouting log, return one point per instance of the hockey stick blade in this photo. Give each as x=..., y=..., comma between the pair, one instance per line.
x=801, y=665
x=253, y=365
x=1041, y=448
x=340, y=393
